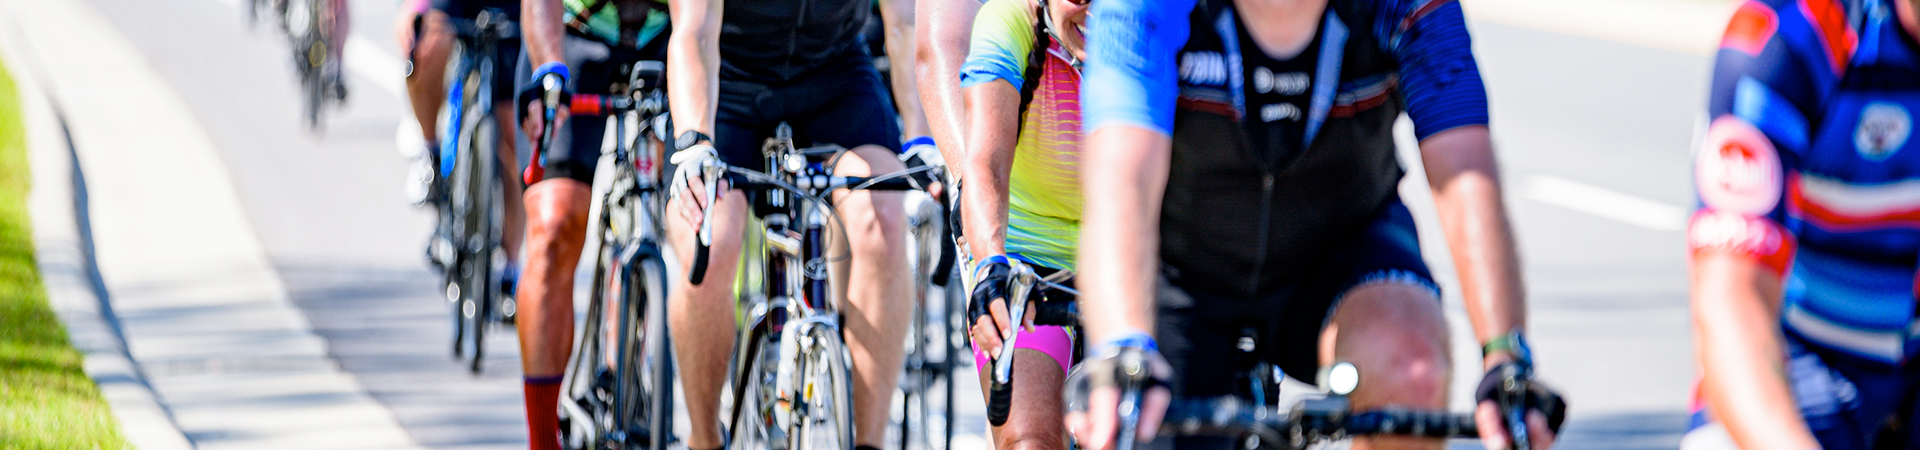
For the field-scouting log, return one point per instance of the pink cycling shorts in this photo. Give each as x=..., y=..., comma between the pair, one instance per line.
x=1055, y=341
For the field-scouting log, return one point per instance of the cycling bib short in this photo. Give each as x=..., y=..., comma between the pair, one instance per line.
x=1810, y=168
x=505, y=53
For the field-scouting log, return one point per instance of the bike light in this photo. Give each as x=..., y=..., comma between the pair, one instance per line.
x=1342, y=378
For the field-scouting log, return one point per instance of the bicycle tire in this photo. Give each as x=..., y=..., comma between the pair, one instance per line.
x=827, y=359
x=475, y=168
x=752, y=422
x=659, y=345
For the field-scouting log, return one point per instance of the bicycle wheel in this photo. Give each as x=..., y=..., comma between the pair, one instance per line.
x=582, y=416
x=645, y=401
x=823, y=411
x=474, y=198
x=754, y=423
x=927, y=400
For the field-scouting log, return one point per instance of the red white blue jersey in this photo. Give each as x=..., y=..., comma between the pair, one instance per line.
x=1811, y=167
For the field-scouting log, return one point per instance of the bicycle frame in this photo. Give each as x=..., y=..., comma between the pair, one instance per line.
x=624, y=211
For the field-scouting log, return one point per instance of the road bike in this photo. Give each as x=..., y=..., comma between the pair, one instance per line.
x=619, y=383
x=466, y=246
x=936, y=337
x=792, y=374
x=1253, y=419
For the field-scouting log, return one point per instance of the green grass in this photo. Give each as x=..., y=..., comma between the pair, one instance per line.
x=46, y=399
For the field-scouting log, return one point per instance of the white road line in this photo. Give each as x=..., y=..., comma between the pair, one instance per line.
x=1605, y=203
x=376, y=65
x=370, y=61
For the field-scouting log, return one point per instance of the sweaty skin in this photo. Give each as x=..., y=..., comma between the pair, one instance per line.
x=940, y=46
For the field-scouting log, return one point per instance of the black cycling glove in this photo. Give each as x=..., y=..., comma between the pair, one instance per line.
x=535, y=88
x=989, y=284
x=1511, y=384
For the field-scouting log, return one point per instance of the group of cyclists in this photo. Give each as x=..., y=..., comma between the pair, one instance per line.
x=1219, y=178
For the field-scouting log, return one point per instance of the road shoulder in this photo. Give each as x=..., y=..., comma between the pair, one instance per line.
x=215, y=345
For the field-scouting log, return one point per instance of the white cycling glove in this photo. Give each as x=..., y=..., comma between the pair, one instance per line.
x=689, y=162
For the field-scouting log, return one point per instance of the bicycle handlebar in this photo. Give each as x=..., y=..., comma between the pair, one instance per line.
x=1329, y=418
x=750, y=180
x=1024, y=284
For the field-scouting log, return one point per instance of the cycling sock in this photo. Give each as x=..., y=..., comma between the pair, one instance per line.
x=543, y=417
x=865, y=447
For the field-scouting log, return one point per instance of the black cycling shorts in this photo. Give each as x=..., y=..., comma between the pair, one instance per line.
x=1199, y=333
x=594, y=65
x=845, y=105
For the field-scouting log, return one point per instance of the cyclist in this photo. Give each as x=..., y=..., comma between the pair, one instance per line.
x=799, y=62
x=1022, y=80
x=1244, y=156
x=428, y=41
x=1803, y=249
x=582, y=42
x=941, y=31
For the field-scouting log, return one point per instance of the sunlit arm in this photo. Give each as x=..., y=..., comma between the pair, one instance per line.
x=1736, y=329
x=541, y=23
x=1124, y=175
x=897, y=17
x=940, y=47
x=693, y=63
x=993, y=128
x=1465, y=180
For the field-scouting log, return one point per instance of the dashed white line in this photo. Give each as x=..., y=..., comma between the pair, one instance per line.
x=1605, y=203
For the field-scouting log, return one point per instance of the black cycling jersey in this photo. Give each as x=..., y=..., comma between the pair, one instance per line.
x=1287, y=193
x=776, y=41
x=1277, y=99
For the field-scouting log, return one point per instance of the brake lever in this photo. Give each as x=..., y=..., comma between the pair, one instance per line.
x=1513, y=404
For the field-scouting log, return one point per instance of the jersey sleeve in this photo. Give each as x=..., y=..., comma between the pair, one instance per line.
x=1002, y=39
x=1761, y=90
x=1131, y=76
x=1439, y=77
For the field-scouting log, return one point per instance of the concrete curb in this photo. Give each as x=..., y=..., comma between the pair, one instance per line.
x=63, y=246
x=201, y=319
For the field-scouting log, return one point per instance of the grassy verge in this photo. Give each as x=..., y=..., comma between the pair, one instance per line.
x=46, y=400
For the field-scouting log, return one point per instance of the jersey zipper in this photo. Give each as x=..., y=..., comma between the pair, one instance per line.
x=1266, y=228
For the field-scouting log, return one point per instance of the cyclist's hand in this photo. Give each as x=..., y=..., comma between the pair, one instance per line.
x=1546, y=410
x=1094, y=392
x=533, y=120
x=987, y=307
x=689, y=184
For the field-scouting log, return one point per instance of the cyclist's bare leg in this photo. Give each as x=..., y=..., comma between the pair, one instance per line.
x=701, y=317
x=427, y=86
x=341, y=23
x=1034, y=423
x=515, y=221
x=878, y=288
x=1395, y=334
x=558, y=227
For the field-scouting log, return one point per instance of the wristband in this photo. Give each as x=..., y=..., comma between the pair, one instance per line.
x=1513, y=343
x=982, y=265
x=917, y=142
x=1134, y=338
x=555, y=68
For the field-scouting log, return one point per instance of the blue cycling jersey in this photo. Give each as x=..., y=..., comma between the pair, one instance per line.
x=1135, y=70
x=1810, y=166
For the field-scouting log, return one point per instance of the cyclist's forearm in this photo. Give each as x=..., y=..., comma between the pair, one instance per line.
x=940, y=41
x=993, y=127
x=1124, y=172
x=897, y=18
x=1742, y=358
x=693, y=64
x=1466, y=190
x=541, y=22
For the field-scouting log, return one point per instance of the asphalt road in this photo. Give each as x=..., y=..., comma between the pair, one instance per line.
x=1593, y=136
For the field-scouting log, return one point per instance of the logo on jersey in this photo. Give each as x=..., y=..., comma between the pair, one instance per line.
x=1203, y=68
x=1265, y=81
x=1884, y=128
x=1278, y=111
x=1738, y=170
